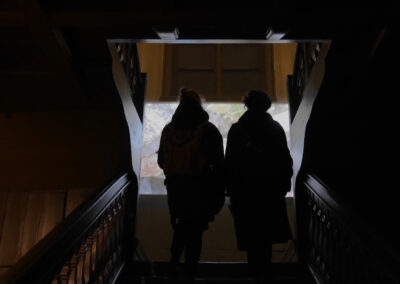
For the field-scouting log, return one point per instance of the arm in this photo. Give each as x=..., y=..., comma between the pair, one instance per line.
x=217, y=155
x=285, y=165
x=231, y=155
x=160, y=152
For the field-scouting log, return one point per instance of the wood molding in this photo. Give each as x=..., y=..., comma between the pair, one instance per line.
x=299, y=124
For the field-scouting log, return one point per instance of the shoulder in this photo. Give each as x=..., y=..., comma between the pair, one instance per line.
x=276, y=131
x=167, y=127
x=276, y=127
x=235, y=129
x=211, y=129
x=166, y=132
x=236, y=133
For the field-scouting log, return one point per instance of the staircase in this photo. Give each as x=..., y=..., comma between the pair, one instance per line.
x=96, y=244
x=145, y=272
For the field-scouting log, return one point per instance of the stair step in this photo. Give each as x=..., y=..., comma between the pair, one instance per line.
x=232, y=270
x=165, y=280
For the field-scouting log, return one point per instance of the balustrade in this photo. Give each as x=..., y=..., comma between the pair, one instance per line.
x=129, y=57
x=340, y=247
x=306, y=56
x=90, y=246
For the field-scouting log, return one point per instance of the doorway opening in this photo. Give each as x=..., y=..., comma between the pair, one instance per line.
x=222, y=74
x=157, y=115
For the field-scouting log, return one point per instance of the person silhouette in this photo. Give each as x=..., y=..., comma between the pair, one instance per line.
x=259, y=170
x=191, y=156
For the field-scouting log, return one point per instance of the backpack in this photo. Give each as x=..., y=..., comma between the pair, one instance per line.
x=182, y=151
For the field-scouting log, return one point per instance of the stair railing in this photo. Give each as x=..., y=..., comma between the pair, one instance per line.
x=306, y=56
x=129, y=57
x=339, y=247
x=91, y=245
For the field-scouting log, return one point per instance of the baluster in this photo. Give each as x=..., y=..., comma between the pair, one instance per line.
x=112, y=239
x=310, y=217
x=84, y=267
x=99, y=238
x=318, y=238
x=67, y=271
x=64, y=274
x=115, y=233
x=105, y=248
x=89, y=268
x=325, y=253
x=95, y=246
x=321, y=237
x=110, y=242
x=121, y=219
x=312, y=233
x=343, y=257
x=349, y=261
x=74, y=266
x=330, y=252
x=336, y=253
x=315, y=235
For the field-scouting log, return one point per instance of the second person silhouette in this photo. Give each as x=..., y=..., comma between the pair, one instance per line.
x=259, y=170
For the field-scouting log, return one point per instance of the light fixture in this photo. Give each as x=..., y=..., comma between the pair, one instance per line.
x=272, y=35
x=168, y=34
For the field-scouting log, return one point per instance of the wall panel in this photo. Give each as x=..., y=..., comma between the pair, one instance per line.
x=59, y=150
x=284, y=57
x=218, y=72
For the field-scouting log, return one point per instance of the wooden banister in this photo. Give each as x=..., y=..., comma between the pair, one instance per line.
x=88, y=246
x=340, y=246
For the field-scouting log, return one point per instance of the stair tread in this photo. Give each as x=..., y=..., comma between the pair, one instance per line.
x=156, y=280
x=213, y=269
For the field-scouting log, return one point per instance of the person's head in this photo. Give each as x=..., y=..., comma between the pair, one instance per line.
x=189, y=97
x=257, y=101
x=189, y=112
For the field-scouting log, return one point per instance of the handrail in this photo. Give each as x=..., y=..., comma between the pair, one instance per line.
x=84, y=245
x=306, y=56
x=340, y=246
x=129, y=57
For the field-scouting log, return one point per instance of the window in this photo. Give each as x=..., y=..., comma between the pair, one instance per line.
x=157, y=115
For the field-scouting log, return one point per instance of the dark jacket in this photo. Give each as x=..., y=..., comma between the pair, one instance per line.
x=259, y=170
x=198, y=195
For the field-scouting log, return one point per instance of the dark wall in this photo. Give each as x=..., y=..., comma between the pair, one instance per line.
x=59, y=142
x=350, y=142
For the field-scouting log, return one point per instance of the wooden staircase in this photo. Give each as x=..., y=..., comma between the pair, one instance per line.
x=145, y=272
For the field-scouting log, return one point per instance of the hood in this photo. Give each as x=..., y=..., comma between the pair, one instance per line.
x=186, y=124
x=188, y=117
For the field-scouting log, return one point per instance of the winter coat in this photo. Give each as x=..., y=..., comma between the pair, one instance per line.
x=197, y=194
x=259, y=170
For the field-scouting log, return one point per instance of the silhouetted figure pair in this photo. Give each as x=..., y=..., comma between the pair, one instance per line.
x=257, y=175
x=259, y=170
x=191, y=156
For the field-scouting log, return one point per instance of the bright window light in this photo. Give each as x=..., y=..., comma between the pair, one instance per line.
x=157, y=115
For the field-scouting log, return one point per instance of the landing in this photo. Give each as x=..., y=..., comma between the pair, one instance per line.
x=212, y=272
x=219, y=241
